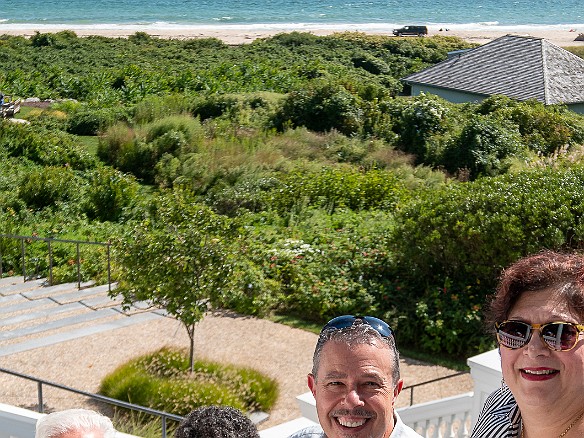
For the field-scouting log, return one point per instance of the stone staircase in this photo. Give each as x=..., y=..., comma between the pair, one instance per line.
x=34, y=315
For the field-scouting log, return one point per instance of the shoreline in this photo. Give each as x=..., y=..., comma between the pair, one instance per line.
x=560, y=36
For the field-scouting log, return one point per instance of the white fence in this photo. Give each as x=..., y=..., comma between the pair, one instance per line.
x=449, y=417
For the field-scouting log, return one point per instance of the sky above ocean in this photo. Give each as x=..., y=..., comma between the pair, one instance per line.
x=343, y=14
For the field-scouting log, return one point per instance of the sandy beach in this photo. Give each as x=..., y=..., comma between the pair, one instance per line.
x=560, y=36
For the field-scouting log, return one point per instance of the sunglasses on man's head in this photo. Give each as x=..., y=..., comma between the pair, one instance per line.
x=341, y=322
x=557, y=336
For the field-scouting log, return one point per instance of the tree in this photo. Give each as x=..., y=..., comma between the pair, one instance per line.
x=177, y=258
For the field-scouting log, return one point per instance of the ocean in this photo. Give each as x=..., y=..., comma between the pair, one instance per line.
x=359, y=15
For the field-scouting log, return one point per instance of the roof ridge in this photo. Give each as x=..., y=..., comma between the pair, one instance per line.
x=545, y=73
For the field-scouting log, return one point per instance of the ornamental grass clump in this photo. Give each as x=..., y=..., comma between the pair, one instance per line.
x=162, y=381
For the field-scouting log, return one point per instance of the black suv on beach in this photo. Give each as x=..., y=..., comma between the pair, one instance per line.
x=411, y=30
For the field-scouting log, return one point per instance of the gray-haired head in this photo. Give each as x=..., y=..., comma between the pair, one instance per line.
x=358, y=333
x=56, y=424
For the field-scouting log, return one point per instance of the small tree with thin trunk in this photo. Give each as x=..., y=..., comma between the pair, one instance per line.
x=177, y=258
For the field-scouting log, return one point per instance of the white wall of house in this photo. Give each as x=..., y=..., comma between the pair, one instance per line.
x=453, y=96
x=577, y=108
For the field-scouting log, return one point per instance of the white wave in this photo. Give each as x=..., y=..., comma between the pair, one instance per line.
x=281, y=27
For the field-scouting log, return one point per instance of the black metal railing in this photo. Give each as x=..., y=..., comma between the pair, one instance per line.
x=49, y=240
x=164, y=416
x=427, y=382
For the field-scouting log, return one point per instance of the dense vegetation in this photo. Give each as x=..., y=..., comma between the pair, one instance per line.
x=291, y=167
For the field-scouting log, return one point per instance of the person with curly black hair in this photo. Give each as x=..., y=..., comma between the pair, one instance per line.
x=216, y=422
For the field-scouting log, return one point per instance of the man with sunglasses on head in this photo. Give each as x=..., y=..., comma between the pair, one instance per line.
x=538, y=317
x=355, y=380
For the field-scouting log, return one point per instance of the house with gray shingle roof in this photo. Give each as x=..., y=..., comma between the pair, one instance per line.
x=519, y=67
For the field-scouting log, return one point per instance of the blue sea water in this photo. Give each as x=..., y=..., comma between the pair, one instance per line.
x=363, y=15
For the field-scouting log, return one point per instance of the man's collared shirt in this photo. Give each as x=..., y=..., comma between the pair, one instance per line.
x=400, y=430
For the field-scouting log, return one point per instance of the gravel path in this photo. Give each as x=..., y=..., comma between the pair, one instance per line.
x=281, y=352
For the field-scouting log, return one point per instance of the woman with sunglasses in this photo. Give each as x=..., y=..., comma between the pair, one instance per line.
x=538, y=317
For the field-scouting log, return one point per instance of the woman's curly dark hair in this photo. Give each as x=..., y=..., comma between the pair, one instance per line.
x=216, y=422
x=556, y=271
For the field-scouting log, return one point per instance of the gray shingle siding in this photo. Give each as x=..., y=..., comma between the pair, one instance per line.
x=519, y=67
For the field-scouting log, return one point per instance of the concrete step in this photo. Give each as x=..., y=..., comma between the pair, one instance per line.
x=77, y=333
x=56, y=290
x=57, y=324
x=33, y=315
x=12, y=279
x=17, y=286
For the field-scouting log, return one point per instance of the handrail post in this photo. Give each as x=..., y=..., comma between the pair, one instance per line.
x=40, y=397
x=50, y=262
x=109, y=271
x=78, y=268
x=23, y=262
x=164, y=426
x=411, y=395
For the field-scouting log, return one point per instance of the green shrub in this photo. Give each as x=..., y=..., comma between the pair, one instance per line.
x=370, y=63
x=147, y=151
x=45, y=187
x=174, y=135
x=42, y=146
x=113, y=142
x=337, y=188
x=322, y=264
x=321, y=107
x=157, y=107
x=418, y=120
x=93, y=121
x=162, y=381
x=484, y=147
x=458, y=239
x=49, y=119
x=42, y=39
x=109, y=193
x=214, y=106
x=121, y=148
x=545, y=129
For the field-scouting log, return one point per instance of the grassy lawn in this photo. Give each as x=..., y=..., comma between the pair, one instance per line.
x=90, y=142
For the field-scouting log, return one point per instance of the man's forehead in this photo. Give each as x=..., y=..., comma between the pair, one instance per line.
x=367, y=374
x=339, y=359
x=82, y=434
